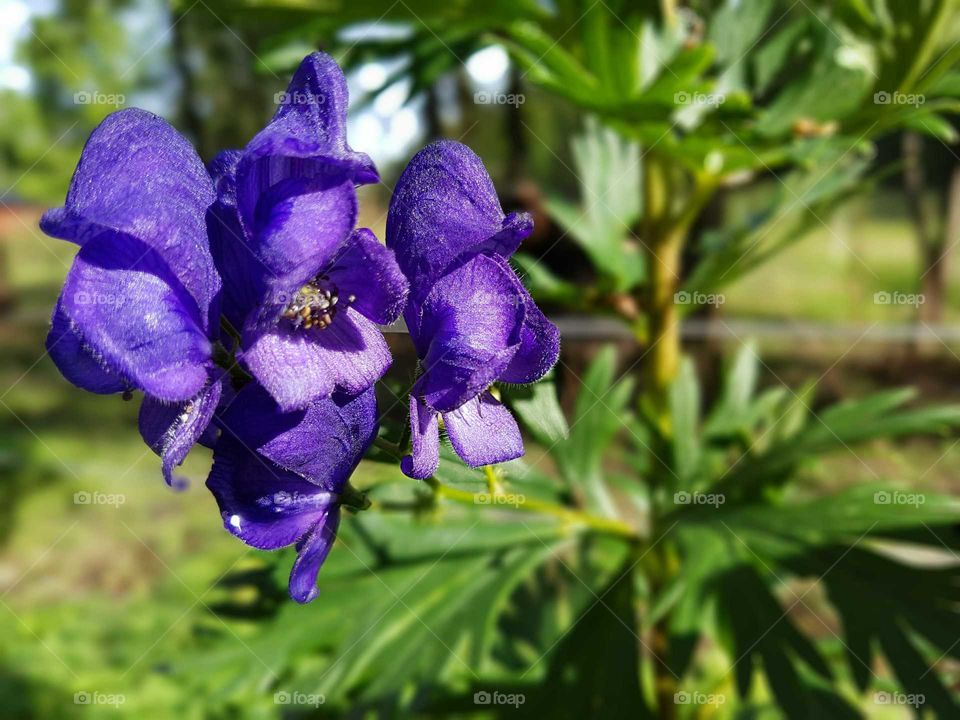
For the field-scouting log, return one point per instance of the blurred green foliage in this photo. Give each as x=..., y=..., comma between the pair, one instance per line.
x=664, y=540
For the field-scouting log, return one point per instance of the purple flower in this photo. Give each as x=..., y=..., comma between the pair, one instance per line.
x=139, y=308
x=304, y=289
x=471, y=320
x=277, y=476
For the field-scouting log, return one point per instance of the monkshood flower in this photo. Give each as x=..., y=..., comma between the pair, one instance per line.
x=304, y=289
x=471, y=320
x=278, y=476
x=139, y=307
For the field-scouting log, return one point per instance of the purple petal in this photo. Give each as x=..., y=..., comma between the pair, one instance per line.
x=236, y=261
x=539, y=342
x=425, y=439
x=472, y=320
x=137, y=176
x=79, y=362
x=297, y=235
x=262, y=504
x=171, y=429
x=307, y=137
x=483, y=432
x=516, y=227
x=312, y=551
x=297, y=366
x=322, y=443
x=445, y=205
x=368, y=270
x=129, y=307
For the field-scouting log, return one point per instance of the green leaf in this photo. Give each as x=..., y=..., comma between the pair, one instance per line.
x=608, y=168
x=599, y=416
x=594, y=671
x=539, y=410
x=685, y=413
x=544, y=285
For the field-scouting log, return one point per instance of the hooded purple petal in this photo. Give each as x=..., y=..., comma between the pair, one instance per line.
x=322, y=443
x=130, y=308
x=137, y=177
x=296, y=236
x=425, y=439
x=264, y=505
x=171, y=429
x=445, y=205
x=307, y=137
x=368, y=271
x=483, y=432
x=472, y=318
x=78, y=361
x=312, y=551
x=298, y=365
x=539, y=341
x=277, y=475
x=234, y=253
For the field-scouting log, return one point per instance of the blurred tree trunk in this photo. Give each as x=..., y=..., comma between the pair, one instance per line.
x=934, y=238
x=187, y=110
x=6, y=293
x=517, y=149
x=432, y=113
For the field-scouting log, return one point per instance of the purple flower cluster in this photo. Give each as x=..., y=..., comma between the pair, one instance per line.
x=243, y=303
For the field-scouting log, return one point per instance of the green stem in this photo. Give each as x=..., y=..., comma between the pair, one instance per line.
x=493, y=484
x=604, y=525
x=389, y=447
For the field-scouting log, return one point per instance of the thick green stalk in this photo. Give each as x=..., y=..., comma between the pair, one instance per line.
x=663, y=243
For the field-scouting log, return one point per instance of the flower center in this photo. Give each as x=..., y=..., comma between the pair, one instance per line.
x=315, y=304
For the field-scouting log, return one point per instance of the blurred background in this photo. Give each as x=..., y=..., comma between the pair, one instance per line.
x=820, y=206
